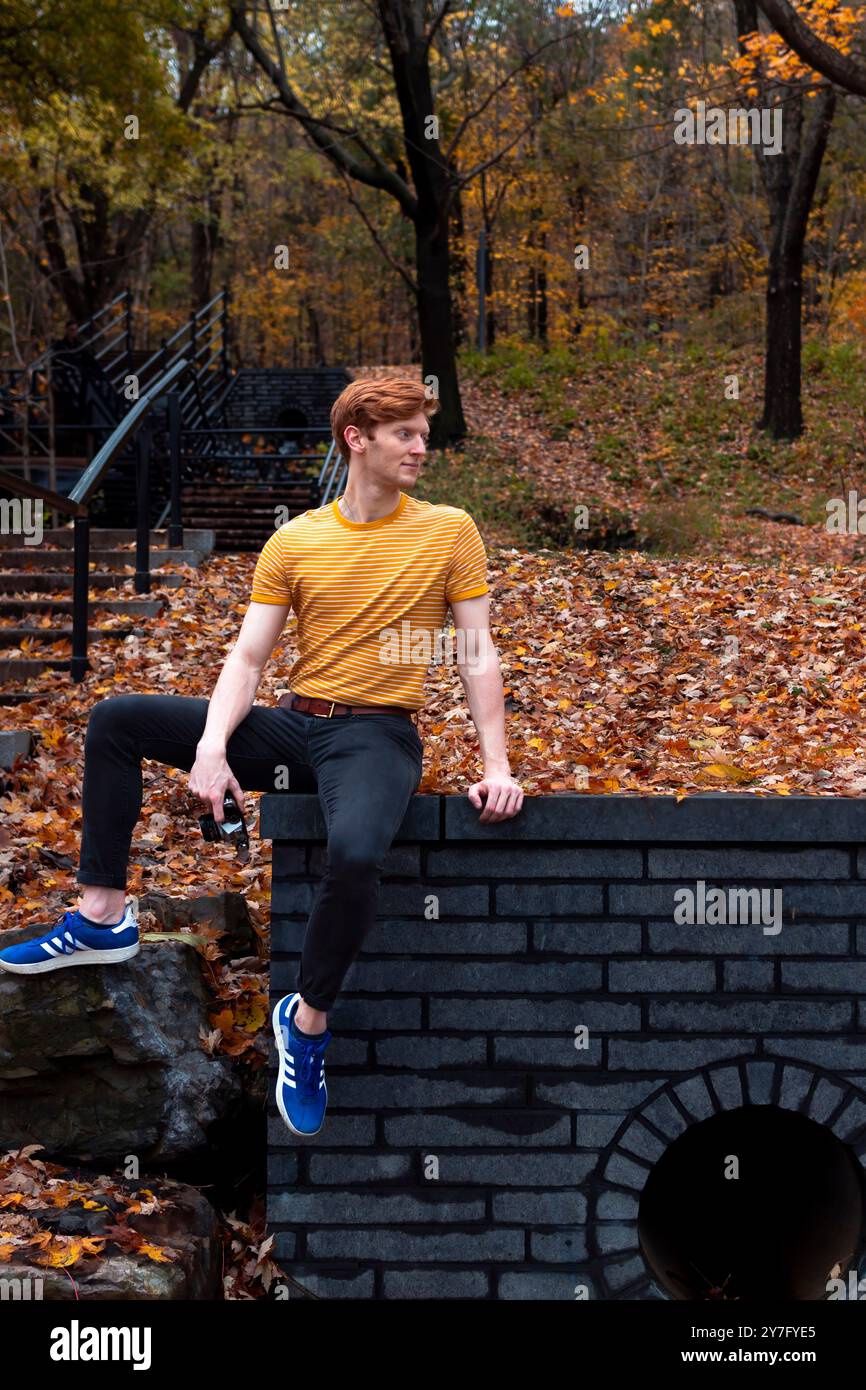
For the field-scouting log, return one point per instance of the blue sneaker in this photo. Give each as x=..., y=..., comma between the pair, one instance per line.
x=302, y=1096
x=74, y=942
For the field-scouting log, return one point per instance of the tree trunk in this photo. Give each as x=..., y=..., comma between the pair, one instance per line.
x=790, y=214
x=790, y=178
x=436, y=328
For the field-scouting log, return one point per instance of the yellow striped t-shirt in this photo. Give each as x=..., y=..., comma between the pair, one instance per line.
x=370, y=596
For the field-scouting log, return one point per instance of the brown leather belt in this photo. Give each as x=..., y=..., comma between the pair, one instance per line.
x=311, y=704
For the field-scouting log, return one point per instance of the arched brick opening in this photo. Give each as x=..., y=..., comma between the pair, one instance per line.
x=616, y=1267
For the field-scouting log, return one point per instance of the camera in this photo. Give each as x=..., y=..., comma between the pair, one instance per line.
x=232, y=830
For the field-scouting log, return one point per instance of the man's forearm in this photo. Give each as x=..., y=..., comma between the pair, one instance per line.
x=231, y=701
x=482, y=682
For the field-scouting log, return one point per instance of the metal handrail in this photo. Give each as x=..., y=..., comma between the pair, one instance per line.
x=76, y=505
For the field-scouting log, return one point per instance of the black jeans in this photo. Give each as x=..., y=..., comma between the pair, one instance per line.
x=366, y=767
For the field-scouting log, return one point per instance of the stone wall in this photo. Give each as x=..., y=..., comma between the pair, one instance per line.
x=477, y=1145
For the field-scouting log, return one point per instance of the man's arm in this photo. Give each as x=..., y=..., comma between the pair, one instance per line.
x=478, y=668
x=232, y=700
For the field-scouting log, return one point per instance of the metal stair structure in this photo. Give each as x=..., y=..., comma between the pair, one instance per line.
x=36, y=610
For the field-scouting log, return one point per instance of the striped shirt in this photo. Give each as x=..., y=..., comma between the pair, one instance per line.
x=370, y=596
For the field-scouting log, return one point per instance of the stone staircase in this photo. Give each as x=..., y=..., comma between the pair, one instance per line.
x=243, y=515
x=36, y=602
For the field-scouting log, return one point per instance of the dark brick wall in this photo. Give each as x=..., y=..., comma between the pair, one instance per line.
x=259, y=394
x=470, y=1148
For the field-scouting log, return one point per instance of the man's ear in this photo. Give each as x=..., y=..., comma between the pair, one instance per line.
x=358, y=442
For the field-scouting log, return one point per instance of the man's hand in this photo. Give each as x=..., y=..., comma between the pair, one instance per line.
x=209, y=776
x=504, y=796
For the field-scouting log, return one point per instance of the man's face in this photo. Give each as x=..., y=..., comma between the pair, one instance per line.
x=396, y=453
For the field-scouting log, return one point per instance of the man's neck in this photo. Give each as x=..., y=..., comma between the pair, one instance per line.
x=359, y=506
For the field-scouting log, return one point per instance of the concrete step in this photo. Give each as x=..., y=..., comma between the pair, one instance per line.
x=22, y=668
x=110, y=538
x=136, y=607
x=109, y=559
x=46, y=583
x=14, y=636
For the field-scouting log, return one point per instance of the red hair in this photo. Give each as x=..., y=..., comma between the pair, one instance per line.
x=375, y=401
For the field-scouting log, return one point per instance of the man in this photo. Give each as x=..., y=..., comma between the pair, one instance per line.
x=370, y=577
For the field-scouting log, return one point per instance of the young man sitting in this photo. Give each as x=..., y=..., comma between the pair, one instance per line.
x=370, y=577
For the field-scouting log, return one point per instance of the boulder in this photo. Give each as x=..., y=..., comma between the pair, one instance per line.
x=187, y=1232
x=98, y=1062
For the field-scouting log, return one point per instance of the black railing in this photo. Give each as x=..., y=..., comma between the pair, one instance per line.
x=28, y=427
x=77, y=503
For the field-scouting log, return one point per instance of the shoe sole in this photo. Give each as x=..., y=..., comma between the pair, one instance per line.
x=41, y=967
x=281, y=1053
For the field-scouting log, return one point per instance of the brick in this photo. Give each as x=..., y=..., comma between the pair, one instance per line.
x=617, y=1206
x=711, y=818
x=297, y=816
x=826, y=1098
x=760, y=1077
x=826, y=899
x=548, y=899
x=542, y=1169
x=834, y=1054
x=664, y=1056
x=662, y=1113
x=334, y=1208
x=289, y=861
x=508, y=1128
x=642, y=1143
x=558, y=1247
x=435, y=1283
x=613, y=1236
x=402, y=1091
x=454, y=900
x=530, y=1015
x=367, y=1014
x=587, y=938
x=646, y=976
x=861, y=940
x=693, y=1094
x=402, y=860
x=467, y=938
x=795, y=939
x=744, y=913
x=473, y=977
x=546, y=1285
x=455, y=1247
x=284, y=1246
x=335, y=1169
x=546, y=1052
x=288, y=896
x=595, y=1131
x=430, y=1053
x=825, y=977
x=282, y=1167
x=624, y=1172
x=620, y=1273
x=795, y=1087
x=726, y=1083
x=324, y=1283
x=747, y=864
x=852, y=1119
x=614, y=1096
x=345, y=1131
x=754, y=1015
x=540, y=1208
x=512, y=861
x=755, y=976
